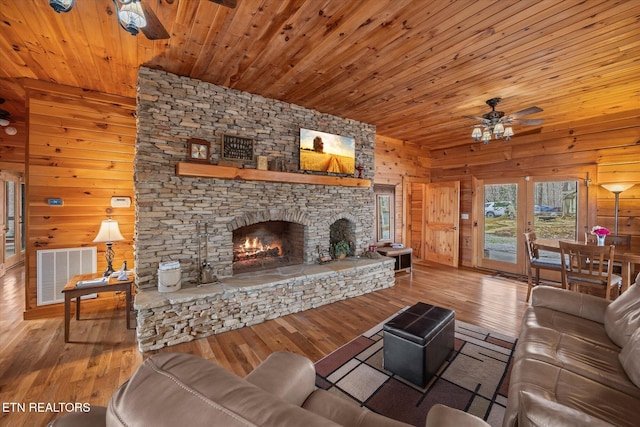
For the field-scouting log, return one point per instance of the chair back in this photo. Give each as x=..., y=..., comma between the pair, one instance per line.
x=620, y=241
x=587, y=265
x=532, y=249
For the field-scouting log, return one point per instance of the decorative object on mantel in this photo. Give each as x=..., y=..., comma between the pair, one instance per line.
x=109, y=232
x=496, y=123
x=262, y=163
x=616, y=188
x=600, y=233
x=323, y=257
x=198, y=150
x=237, y=148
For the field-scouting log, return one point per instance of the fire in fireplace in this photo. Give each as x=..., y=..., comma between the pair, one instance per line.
x=267, y=245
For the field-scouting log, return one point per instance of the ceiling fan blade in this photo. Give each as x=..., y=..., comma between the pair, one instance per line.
x=154, y=30
x=525, y=112
x=475, y=118
x=227, y=3
x=531, y=122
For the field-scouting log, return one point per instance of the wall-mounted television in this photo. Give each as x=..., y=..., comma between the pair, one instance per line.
x=326, y=152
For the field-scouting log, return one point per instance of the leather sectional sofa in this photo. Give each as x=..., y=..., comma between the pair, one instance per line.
x=180, y=389
x=577, y=361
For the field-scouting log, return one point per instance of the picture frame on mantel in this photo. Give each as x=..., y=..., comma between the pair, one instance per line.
x=236, y=148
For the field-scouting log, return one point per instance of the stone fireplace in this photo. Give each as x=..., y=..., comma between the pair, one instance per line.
x=264, y=236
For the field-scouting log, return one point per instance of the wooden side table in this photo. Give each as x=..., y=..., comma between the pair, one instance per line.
x=72, y=291
x=401, y=255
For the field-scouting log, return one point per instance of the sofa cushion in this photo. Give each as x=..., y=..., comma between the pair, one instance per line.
x=597, y=362
x=630, y=357
x=622, y=316
x=184, y=389
x=300, y=378
x=564, y=323
x=575, y=391
x=536, y=411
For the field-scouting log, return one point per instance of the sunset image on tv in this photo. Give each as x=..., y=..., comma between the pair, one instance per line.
x=326, y=152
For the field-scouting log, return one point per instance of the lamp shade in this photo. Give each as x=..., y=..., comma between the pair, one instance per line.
x=109, y=232
x=618, y=187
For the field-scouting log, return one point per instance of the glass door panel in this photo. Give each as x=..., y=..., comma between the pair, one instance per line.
x=10, y=224
x=555, y=212
x=500, y=225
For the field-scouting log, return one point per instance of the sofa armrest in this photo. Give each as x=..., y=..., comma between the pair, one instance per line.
x=346, y=412
x=96, y=417
x=289, y=376
x=578, y=304
x=444, y=416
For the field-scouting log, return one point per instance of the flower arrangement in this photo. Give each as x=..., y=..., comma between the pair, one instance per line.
x=600, y=231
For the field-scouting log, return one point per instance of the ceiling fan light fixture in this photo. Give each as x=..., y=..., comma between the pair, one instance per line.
x=131, y=16
x=486, y=136
x=477, y=133
x=10, y=130
x=508, y=133
x=61, y=6
x=498, y=130
x=4, y=122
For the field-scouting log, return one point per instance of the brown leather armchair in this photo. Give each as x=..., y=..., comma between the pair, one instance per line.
x=171, y=389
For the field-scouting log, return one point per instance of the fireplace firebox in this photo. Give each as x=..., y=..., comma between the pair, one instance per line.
x=267, y=245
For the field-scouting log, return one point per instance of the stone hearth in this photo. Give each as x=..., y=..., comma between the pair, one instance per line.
x=166, y=319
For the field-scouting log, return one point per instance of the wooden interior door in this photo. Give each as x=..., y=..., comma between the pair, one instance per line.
x=442, y=231
x=415, y=196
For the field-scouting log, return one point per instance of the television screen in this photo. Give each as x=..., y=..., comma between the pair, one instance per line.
x=326, y=152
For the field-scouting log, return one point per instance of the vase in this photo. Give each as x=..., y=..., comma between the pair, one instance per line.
x=600, y=240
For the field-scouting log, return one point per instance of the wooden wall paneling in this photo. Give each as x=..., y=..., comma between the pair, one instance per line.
x=395, y=162
x=605, y=147
x=80, y=149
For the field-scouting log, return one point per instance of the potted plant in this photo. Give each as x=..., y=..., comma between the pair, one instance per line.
x=341, y=249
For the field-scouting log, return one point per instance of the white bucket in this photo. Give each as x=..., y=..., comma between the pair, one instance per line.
x=169, y=280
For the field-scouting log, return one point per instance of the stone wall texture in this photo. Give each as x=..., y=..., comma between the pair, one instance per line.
x=171, y=110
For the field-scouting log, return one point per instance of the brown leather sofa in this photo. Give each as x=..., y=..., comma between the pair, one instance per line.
x=175, y=389
x=577, y=361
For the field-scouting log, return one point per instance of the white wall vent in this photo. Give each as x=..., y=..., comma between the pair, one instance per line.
x=57, y=266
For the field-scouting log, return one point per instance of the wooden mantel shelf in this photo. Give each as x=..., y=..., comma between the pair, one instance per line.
x=228, y=172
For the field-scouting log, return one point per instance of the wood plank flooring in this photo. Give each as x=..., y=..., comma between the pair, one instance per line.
x=36, y=366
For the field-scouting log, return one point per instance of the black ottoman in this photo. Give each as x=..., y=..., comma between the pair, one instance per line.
x=418, y=341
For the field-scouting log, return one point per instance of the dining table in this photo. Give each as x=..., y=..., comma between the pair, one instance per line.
x=626, y=257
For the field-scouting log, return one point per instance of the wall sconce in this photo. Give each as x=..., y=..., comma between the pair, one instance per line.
x=616, y=188
x=109, y=232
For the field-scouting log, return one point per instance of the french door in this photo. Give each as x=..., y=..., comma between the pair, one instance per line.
x=552, y=207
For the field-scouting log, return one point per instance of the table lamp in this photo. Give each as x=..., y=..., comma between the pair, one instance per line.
x=617, y=188
x=108, y=233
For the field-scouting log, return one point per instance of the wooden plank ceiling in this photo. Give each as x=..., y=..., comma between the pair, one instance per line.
x=412, y=68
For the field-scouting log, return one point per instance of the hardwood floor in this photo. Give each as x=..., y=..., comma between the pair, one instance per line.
x=37, y=367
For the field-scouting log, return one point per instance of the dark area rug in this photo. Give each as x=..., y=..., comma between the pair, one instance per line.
x=475, y=377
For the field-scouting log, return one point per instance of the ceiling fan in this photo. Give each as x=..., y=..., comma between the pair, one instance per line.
x=496, y=123
x=135, y=15
x=154, y=30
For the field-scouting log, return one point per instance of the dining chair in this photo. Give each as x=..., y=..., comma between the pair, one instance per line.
x=535, y=263
x=589, y=266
